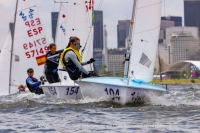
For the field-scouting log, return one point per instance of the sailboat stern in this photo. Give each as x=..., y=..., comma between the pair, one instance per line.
x=61, y=91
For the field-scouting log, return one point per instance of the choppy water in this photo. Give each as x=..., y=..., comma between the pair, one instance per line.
x=176, y=111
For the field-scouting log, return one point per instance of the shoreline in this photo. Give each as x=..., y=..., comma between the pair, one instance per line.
x=176, y=82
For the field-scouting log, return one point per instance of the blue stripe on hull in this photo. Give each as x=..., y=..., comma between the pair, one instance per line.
x=122, y=82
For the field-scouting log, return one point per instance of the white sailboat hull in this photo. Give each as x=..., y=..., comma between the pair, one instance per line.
x=65, y=91
x=117, y=90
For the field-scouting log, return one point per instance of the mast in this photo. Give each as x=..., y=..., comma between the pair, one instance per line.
x=13, y=37
x=127, y=55
x=159, y=61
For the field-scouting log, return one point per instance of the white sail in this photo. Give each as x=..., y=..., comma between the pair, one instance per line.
x=78, y=25
x=145, y=39
x=61, y=40
x=5, y=65
x=30, y=43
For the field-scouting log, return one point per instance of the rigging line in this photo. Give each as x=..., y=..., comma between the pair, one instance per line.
x=141, y=70
x=148, y=29
x=150, y=5
x=82, y=52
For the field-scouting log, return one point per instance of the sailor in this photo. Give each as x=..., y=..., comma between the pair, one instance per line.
x=51, y=66
x=32, y=83
x=71, y=60
x=21, y=88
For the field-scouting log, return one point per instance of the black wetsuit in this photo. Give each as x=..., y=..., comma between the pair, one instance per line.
x=51, y=67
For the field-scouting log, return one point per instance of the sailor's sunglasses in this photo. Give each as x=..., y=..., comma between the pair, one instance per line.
x=78, y=45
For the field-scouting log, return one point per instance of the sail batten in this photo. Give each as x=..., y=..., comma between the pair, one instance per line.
x=145, y=39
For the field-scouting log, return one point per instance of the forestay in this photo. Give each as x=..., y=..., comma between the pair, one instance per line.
x=30, y=44
x=145, y=39
x=88, y=48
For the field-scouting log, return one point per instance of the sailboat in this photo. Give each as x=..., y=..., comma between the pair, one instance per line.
x=27, y=50
x=140, y=60
x=73, y=22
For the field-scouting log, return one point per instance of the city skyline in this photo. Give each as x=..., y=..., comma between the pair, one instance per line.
x=111, y=15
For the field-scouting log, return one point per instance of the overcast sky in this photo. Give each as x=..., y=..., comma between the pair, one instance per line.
x=113, y=10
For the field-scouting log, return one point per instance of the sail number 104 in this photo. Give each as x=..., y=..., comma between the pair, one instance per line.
x=113, y=92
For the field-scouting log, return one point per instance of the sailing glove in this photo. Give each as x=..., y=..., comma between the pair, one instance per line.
x=54, y=70
x=90, y=61
x=92, y=74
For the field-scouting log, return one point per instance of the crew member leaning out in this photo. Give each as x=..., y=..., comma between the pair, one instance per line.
x=51, y=66
x=71, y=60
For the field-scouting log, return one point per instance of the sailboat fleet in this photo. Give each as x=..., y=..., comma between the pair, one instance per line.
x=30, y=46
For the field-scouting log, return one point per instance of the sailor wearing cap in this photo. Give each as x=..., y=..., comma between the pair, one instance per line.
x=71, y=60
x=32, y=83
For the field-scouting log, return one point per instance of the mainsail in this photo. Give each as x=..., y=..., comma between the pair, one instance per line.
x=61, y=40
x=30, y=43
x=145, y=39
x=5, y=65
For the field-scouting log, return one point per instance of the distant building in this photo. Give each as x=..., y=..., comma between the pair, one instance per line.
x=183, y=44
x=98, y=59
x=54, y=19
x=115, y=60
x=122, y=32
x=98, y=39
x=191, y=13
x=164, y=24
x=177, y=20
x=98, y=30
x=11, y=27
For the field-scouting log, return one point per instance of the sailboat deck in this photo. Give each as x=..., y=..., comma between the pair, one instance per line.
x=122, y=82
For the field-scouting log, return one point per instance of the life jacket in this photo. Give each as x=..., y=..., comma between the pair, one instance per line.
x=71, y=68
x=32, y=89
x=62, y=57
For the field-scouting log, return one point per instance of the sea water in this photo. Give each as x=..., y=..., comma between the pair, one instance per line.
x=178, y=110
